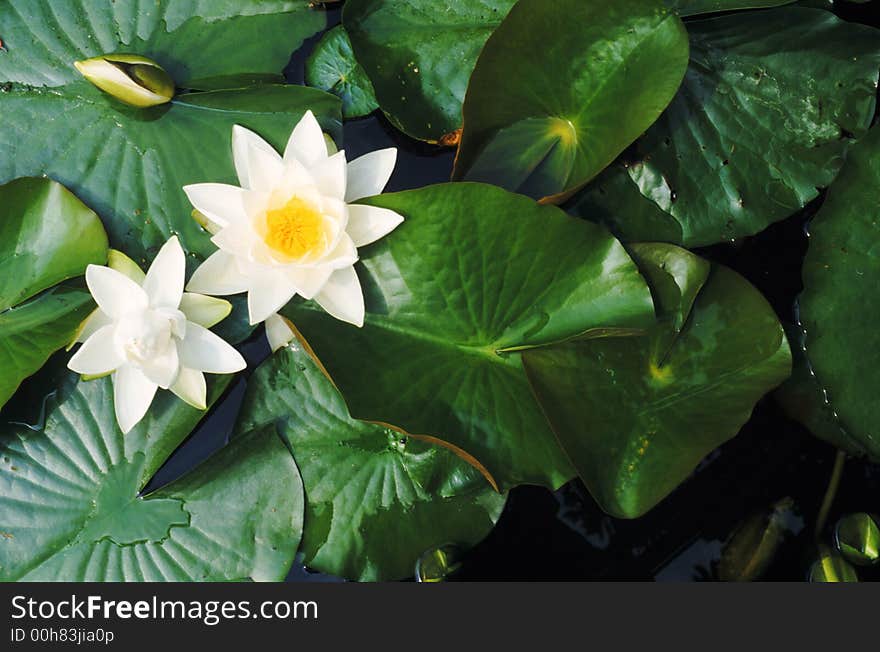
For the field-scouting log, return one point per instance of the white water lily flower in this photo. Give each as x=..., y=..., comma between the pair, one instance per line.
x=149, y=334
x=290, y=228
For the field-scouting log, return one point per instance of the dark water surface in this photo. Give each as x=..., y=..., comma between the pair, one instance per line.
x=565, y=536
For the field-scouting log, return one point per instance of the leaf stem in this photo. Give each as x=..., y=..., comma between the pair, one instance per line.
x=830, y=492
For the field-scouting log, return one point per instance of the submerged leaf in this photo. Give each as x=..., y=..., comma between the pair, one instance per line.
x=857, y=537
x=831, y=567
x=752, y=547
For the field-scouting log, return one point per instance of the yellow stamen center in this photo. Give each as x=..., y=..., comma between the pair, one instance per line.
x=295, y=230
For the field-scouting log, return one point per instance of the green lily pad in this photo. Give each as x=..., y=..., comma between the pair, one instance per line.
x=637, y=414
x=472, y=276
x=694, y=7
x=188, y=39
x=419, y=55
x=840, y=304
x=333, y=68
x=804, y=400
x=375, y=499
x=770, y=104
x=69, y=495
x=562, y=88
x=240, y=80
x=130, y=164
x=46, y=236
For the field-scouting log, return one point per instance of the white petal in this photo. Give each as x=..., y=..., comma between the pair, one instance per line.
x=115, y=293
x=330, y=175
x=219, y=274
x=336, y=210
x=190, y=386
x=221, y=203
x=202, y=350
x=237, y=239
x=163, y=369
x=132, y=394
x=89, y=326
x=98, y=354
x=295, y=178
x=165, y=278
x=307, y=281
x=344, y=254
x=306, y=143
x=243, y=141
x=369, y=174
x=265, y=169
x=367, y=224
x=203, y=310
x=278, y=331
x=122, y=263
x=268, y=293
x=342, y=297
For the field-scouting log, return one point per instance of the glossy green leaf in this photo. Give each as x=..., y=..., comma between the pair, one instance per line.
x=561, y=88
x=199, y=38
x=473, y=275
x=46, y=236
x=769, y=106
x=131, y=170
x=228, y=82
x=693, y=7
x=636, y=414
x=804, y=400
x=333, y=68
x=419, y=55
x=69, y=495
x=375, y=499
x=840, y=306
x=130, y=164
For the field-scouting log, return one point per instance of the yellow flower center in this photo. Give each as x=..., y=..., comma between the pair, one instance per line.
x=295, y=230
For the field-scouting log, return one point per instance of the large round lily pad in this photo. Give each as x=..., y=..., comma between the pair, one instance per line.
x=419, y=55
x=472, y=276
x=770, y=103
x=375, y=499
x=200, y=38
x=561, y=88
x=46, y=236
x=128, y=164
x=636, y=414
x=69, y=496
x=840, y=305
